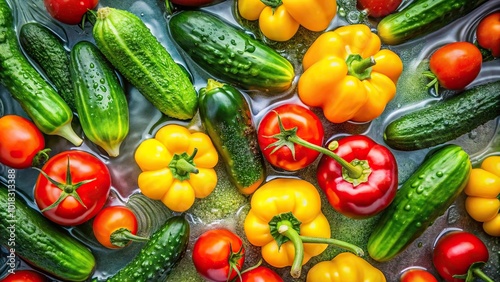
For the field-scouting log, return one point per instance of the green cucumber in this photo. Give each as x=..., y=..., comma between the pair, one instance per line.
x=100, y=99
x=47, y=50
x=159, y=255
x=444, y=120
x=39, y=242
x=226, y=116
x=134, y=51
x=230, y=54
x=37, y=98
x=422, y=17
x=425, y=196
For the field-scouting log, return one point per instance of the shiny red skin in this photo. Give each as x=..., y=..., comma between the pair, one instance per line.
x=83, y=166
x=261, y=274
x=456, y=64
x=69, y=11
x=309, y=128
x=368, y=198
x=192, y=3
x=111, y=219
x=212, y=252
x=417, y=275
x=25, y=276
x=488, y=33
x=455, y=252
x=20, y=141
x=379, y=8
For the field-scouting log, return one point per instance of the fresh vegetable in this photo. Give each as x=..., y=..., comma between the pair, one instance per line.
x=348, y=76
x=459, y=256
x=191, y=3
x=345, y=267
x=260, y=274
x=160, y=255
x=454, y=66
x=417, y=275
x=177, y=166
x=378, y=8
x=39, y=242
x=69, y=11
x=482, y=190
x=444, y=120
x=286, y=221
x=121, y=37
x=488, y=33
x=37, y=98
x=422, y=198
x=72, y=187
x=22, y=145
x=280, y=20
x=219, y=255
x=100, y=99
x=422, y=17
x=25, y=275
x=279, y=151
x=116, y=227
x=48, y=51
x=226, y=116
x=230, y=54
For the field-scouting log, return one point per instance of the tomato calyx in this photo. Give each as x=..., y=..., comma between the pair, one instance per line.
x=434, y=81
x=182, y=165
x=41, y=157
x=233, y=263
x=122, y=237
x=359, y=67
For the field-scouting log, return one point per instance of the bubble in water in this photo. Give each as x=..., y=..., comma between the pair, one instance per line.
x=353, y=17
x=453, y=215
x=473, y=134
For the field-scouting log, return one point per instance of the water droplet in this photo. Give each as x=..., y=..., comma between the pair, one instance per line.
x=418, y=224
x=439, y=174
x=233, y=42
x=420, y=189
x=92, y=65
x=415, y=184
x=99, y=97
x=421, y=176
x=222, y=37
x=473, y=135
x=102, y=80
x=407, y=208
x=103, y=88
x=95, y=85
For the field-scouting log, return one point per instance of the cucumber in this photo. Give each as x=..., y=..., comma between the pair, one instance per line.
x=37, y=98
x=100, y=99
x=160, y=255
x=39, y=242
x=445, y=120
x=134, y=51
x=426, y=195
x=47, y=50
x=230, y=54
x=226, y=116
x=422, y=17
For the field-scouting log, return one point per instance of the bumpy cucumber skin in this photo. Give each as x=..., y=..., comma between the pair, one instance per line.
x=48, y=51
x=426, y=195
x=160, y=255
x=100, y=99
x=40, y=242
x=226, y=116
x=229, y=54
x=422, y=17
x=445, y=120
x=134, y=51
x=38, y=99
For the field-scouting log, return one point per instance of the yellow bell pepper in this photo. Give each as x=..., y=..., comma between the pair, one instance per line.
x=177, y=166
x=345, y=267
x=279, y=20
x=347, y=74
x=483, y=190
x=286, y=220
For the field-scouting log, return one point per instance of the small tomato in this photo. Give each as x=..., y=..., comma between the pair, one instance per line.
x=69, y=11
x=379, y=8
x=192, y=3
x=417, y=275
x=25, y=276
x=260, y=274
x=488, y=33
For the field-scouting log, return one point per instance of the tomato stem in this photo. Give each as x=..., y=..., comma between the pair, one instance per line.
x=41, y=157
x=479, y=273
x=122, y=236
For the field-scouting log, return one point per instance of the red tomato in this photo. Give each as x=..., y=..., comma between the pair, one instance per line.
x=217, y=254
x=417, y=275
x=456, y=65
x=308, y=127
x=379, y=8
x=455, y=252
x=20, y=141
x=69, y=11
x=192, y=3
x=25, y=276
x=488, y=33
x=89, y=180
x=260, y=274
x=114, y=220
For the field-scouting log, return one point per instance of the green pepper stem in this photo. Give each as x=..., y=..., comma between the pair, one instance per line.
x=360, y=67
x=122, y=236
x=182, y=165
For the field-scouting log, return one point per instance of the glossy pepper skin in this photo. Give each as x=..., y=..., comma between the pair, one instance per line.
x=348, y=76
x=177, y=166
x=483, y=190
x=345, y=267
x=279, y=20
x=372, y=191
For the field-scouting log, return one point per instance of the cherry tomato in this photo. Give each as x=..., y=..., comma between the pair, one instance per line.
x=417, y=275
x=293, y=116
x=69, y=11
x=488, y=33
x=82, y=193
x=115, y=227
x=192, y=3
x=218, y=254
x=25, y=276
x=260, y=274
x=456, y=65
x=379, y=8
x=21, y=142
x=455, y=252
